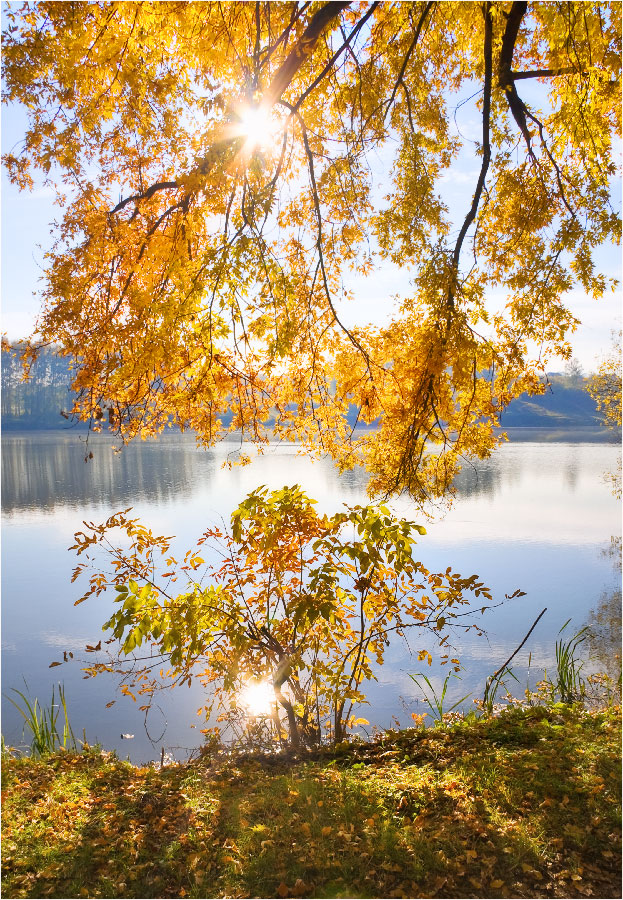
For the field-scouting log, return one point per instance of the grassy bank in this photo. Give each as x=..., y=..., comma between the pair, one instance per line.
x=523, y=805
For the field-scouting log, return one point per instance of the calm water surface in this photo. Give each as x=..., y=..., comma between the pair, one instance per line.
x=537, y=516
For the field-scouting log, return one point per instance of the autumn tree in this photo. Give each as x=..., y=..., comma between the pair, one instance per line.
x=302, y=602
x=216, y=163
x=605, y=389
x=605, y=385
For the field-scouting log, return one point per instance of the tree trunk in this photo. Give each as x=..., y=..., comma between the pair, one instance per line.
x=295, y=741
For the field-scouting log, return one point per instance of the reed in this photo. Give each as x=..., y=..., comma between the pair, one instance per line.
x=492, y=687
x=569, y=683
x=436, y=703
x=43, y=723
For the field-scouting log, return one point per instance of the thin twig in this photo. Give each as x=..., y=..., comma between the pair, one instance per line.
x=492, y=678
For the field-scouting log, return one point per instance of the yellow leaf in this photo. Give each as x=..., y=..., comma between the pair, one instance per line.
x=326, y=830
x=283, y=890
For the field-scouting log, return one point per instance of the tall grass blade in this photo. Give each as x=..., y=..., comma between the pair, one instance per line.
x=434, y=702
x=43, y=723
x=570, y=684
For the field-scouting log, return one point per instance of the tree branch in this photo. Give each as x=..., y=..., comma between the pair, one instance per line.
x=302, y=49
x=545, y=73
x=405, y=62
x=335, y=56
x=316, y=201
x=506, y=79
x=145, y=195
x=486, y=149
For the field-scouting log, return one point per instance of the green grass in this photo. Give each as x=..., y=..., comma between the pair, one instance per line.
x=526, y=804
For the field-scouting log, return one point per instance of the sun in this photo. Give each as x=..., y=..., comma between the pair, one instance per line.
x=258, y=698
x=257, y=126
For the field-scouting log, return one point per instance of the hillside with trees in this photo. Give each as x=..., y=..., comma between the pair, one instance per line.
x=35, y=402
x=40, y=401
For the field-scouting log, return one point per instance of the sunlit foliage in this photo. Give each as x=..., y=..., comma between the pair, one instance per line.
x=305, y=602
x=200, y=271
x=605, y=385
x=605, y=389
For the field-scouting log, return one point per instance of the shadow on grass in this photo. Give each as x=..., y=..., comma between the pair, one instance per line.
x=530, y=809
x=107, y=830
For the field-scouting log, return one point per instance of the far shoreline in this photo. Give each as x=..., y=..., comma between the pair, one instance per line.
x=574, y=434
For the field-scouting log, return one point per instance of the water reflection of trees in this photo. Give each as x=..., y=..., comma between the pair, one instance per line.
x=605, y=633
x=44, y=472
x=572, y=472
x=47, y=470
x=605, y=620
x=484, y=478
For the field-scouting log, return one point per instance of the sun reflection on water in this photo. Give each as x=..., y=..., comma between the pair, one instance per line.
x=258, y=698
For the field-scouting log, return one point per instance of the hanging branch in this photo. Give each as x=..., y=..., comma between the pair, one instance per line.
x=486, y=152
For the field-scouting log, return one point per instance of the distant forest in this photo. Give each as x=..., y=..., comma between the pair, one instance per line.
x=37, y=402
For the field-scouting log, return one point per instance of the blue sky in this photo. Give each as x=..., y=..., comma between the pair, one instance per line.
x=27, y=235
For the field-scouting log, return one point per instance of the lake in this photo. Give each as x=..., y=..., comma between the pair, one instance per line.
x=538, y=516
